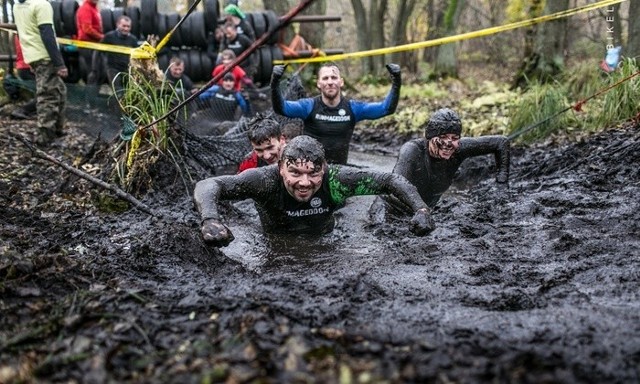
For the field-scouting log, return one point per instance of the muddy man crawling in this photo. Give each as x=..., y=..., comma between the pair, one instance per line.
x=300, y=193
x=431, y=163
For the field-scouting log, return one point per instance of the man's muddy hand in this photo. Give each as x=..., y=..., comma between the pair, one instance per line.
x=277, y=73
x=422, y=223
x=394, y=71
x=215, y=233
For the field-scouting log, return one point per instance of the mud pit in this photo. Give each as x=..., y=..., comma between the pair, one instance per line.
x=539, y=283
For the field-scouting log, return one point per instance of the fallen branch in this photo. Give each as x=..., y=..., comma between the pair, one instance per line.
x=118, y=192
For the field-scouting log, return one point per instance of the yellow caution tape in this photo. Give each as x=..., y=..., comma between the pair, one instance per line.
x=165, y=39
x=451, y=39
x=145, y=51
x=96, y=46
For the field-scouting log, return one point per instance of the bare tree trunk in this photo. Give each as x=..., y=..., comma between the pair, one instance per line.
x=6, y=41
x=547, y=59
x=399, y=33
x=362, y=33
x=613, y=17
x=447, y=58
x=436, y=17
x=376, y=20
x=7, y=6
x=633, y=45
x=313, y=33
x=280, y=7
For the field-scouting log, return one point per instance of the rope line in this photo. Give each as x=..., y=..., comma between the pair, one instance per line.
x=576, y=107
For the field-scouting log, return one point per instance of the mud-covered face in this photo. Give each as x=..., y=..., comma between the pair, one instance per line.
x=269, y=150
x=302, y=178
x=444, y=146
x=329, y=82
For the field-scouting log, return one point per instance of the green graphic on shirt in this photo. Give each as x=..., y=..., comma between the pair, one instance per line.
x=340, y=191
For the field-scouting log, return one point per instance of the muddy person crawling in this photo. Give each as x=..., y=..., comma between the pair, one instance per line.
x=301, y=193
x=431, y=163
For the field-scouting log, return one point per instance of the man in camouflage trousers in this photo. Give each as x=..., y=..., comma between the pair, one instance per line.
x=34, y=21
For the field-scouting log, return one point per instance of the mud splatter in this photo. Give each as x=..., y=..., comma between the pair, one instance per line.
x=538, y=283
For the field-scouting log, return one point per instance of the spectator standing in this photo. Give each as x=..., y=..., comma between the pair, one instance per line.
x=119, y=62
x=241, y=80
x=34, y=22
x=176, y=76
x=24, y=74
x=234, y=15
x=239, y=43
x=89, y=27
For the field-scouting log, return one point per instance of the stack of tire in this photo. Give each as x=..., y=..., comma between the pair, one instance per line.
x=189, y=42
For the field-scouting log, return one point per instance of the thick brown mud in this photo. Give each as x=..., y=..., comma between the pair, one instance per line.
x=537, y=283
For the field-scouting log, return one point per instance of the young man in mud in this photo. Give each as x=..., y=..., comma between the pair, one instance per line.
x=330, y=117
x=267, y=142
x=431, y=163
x=300, y=193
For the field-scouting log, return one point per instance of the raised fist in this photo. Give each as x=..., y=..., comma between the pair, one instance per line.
x=277, y=72
x=215, y=233
x=394, y=69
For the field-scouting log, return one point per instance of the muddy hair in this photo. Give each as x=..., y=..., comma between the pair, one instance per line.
x=291, y=129
x=442, y=122
x=329, y=64
x=262, y=128
x=304, y=148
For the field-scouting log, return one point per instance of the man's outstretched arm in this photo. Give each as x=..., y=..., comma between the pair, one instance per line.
x=252, y=184
x=347, y=181
x=498, y=145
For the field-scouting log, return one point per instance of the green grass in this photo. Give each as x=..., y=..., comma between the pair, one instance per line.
x=623, y=101
x=142, y=102
x=540, y=102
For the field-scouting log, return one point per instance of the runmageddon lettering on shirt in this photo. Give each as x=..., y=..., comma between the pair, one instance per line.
x=333, y=118
x=317, y=208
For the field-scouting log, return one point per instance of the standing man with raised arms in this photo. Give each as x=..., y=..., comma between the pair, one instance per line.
x=330, y=117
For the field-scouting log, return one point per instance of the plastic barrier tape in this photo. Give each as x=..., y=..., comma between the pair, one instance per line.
x=451, y=39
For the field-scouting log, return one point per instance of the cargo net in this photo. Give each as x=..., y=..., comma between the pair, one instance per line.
x=215, y=143
x=210, y=138
x=95, y=118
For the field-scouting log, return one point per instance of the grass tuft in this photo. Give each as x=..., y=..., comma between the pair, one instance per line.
x=540, y=102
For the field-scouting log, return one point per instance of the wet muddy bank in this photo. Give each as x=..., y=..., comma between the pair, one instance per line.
x=538, y=283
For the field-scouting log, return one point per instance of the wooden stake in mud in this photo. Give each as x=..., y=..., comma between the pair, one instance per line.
x=284, y=20
x=119, y=192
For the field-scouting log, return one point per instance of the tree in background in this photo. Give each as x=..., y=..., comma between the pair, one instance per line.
x=544, y=53
x=633, y=45
x=446, y=64
x=370, y=31
x=399, y=33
